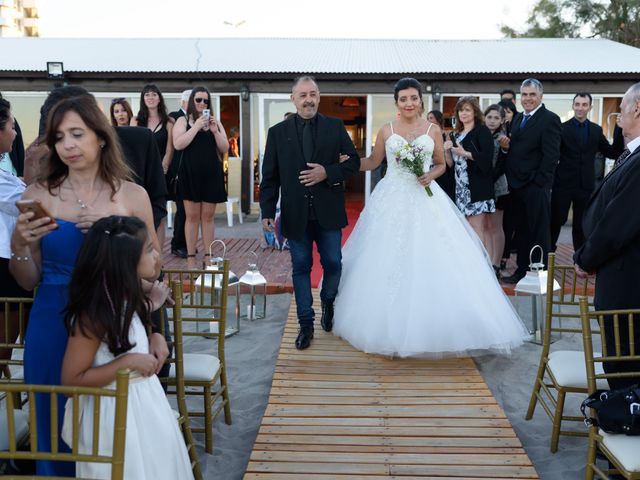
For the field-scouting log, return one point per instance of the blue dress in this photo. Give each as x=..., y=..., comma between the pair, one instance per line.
x=46, y=337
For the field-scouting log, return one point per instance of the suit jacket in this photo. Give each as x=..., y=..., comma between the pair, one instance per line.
x=534, y=151
x=143, y=157
x=281, y=166
x=576, y=169
x=479, y=142
x=612, y=237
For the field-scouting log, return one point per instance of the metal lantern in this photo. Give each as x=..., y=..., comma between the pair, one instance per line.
x=254, y=279
x=217, y=263
x=534, y=284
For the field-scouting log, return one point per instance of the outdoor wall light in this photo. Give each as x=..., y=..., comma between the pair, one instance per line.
x=244, y=93
x=436, y=94
x=55, y=70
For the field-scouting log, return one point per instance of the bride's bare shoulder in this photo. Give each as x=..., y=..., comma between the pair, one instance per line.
x=385, y=131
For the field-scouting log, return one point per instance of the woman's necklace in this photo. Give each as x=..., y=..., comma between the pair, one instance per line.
x=82, y=204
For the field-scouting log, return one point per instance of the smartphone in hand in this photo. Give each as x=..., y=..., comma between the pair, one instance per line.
x=36, y=207
x=452, y=137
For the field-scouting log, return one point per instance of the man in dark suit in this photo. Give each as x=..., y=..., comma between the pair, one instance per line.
x=302, y=160
x=575, y=176
x=533, y=153
x=178, y=241
x=611, y=226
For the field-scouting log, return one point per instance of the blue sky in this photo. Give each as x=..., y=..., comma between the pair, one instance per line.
x=441, y=19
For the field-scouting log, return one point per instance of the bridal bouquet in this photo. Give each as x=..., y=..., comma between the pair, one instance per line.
x=411, y=159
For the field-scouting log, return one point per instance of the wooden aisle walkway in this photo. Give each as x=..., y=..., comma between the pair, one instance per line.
x=337, y=413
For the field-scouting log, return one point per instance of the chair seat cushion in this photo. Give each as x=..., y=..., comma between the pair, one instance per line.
x=569, y=370
x=625, y=448
x=21, y=423
x=198, y=366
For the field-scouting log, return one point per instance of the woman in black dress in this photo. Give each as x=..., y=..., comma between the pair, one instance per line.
x=153, y=115
x=203, y=140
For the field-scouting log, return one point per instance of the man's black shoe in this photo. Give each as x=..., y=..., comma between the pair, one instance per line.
x=305, y=335
x=179, y=252
x=327, y=317
x=513, y=279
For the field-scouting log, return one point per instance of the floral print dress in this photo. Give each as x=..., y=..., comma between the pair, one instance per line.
x=463, y=194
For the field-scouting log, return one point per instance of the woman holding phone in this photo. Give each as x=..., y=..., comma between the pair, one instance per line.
x=203, y=141
x=84, y=179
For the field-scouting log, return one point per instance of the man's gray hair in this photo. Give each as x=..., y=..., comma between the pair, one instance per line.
x=185, y=95
x=532, y=82
x=304, y=78
x=634, y=94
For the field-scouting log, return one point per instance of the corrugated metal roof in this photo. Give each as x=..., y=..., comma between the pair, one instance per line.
x=341, y=56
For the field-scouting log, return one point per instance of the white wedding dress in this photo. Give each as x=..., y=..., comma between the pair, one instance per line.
x=154, y=446
x=416, y=280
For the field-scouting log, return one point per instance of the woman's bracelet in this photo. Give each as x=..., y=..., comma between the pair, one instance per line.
x=24, y=258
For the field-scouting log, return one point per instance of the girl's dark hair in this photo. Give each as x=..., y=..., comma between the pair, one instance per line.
x=125, y=105
x=472, y=101
x=495, y=108
x=405, y=83
x=105, y=290
x=439, y=118
x=143, y=113
x=112, y=169
x=191, y=106
x=5, y=112
x=509, y=105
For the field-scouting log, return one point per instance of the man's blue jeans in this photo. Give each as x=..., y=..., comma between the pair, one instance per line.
x=329, y=248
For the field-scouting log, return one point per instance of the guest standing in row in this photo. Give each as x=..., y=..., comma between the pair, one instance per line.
x=178, y=241
x=533, y=153
x=120, y=112
x=447, y=180
x=201, y=184
x=509, y=217
x=472, y=157
x=153, y=115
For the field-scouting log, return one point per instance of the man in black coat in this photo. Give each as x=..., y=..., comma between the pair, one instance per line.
x=611, y=226
x=301, y=166
x=533, y=153
x=575, y=176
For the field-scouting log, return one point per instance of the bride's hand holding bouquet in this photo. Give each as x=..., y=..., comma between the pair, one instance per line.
x=411, y=159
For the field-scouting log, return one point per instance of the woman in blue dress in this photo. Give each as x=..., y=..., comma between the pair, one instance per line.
x=84, y=179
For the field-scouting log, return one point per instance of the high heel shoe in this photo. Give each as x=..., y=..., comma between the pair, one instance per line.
x=503, y=264
x=205, y=263
x=192, y=255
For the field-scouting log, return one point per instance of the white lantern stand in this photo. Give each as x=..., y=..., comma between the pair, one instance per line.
x=254, y=279
x=534, y=284
x=217, y=263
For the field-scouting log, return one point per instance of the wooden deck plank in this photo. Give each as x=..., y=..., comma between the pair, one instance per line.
x=337, y=413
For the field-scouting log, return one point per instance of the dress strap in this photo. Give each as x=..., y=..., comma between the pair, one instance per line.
x=391, y=125
x=430, y=125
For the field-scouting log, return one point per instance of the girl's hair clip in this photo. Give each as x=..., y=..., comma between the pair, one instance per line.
x=107, y=232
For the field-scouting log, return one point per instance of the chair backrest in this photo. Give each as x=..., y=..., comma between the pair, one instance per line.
x=116, y=459
x=204, y=300
x=177, y=358
x=14, y=313
x=565, y=303
x=625, y=323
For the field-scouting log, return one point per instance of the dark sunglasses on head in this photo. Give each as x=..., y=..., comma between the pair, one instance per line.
x=117, y=100
x=201, y=100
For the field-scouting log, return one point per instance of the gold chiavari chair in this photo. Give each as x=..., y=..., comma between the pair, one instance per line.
x=116, y=459
x=204, y=300
x=176, y=360
x=14, y=314
x=560, y=371
x=621, y=450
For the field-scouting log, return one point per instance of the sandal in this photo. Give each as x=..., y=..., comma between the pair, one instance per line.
x=192, y=255
x=205, y=263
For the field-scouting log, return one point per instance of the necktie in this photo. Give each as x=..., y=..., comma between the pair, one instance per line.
x=621, y=159
x=525, y=119
x=307, y=141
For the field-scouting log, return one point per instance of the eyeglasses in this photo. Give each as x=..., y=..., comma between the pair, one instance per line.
x=118, y=100
x=201, y=100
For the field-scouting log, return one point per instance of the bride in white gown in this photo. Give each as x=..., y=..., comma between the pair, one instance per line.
x=416, y=280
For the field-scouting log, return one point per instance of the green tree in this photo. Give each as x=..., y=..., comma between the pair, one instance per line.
x=614, y=19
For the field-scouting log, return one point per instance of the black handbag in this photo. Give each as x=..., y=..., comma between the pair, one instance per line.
x=617, y=411
x=173, y=183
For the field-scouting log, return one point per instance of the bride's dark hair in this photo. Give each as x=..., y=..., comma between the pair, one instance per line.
x=405, y=83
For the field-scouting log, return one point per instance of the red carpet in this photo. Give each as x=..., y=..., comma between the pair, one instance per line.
x=353, y=206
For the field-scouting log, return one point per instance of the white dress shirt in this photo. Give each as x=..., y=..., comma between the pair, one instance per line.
x=11, y=188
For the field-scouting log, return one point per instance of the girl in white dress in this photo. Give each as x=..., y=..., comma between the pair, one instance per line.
x=106, y=317
x=416, y=280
